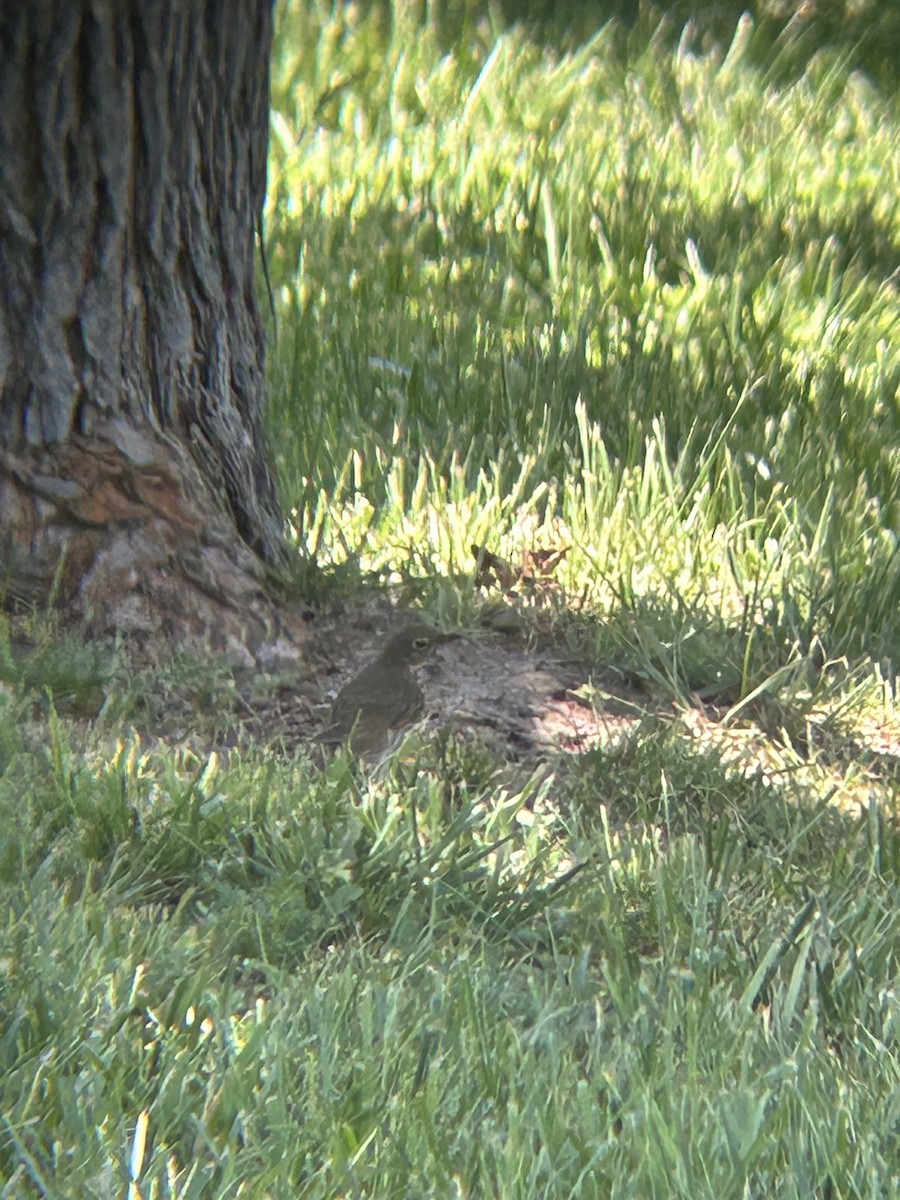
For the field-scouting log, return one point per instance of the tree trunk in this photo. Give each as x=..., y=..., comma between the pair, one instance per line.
x=134, y=483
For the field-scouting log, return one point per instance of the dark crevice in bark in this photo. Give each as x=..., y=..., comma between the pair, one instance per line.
x=74, y=343
x=85, y=52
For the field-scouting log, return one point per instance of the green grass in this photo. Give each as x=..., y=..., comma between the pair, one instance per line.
x=639, y=299
x=617, y=265
x=302, y=990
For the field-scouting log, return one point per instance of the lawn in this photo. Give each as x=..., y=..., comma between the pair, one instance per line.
x=628, y=297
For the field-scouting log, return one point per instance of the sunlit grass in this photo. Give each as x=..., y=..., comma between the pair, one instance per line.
x=586, y=271
x=295, y=985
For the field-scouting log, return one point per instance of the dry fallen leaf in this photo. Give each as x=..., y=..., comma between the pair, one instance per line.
x=542, y=563
x=493, y=570
x=537, y=566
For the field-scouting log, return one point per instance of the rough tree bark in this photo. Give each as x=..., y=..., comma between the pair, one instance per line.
x=134, y=485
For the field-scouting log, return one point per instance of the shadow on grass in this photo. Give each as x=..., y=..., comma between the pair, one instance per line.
x=867, y=34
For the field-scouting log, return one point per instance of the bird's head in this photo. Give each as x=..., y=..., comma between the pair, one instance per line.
x=413, y=643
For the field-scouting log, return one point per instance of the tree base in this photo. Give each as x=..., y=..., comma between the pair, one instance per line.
x=120, y=530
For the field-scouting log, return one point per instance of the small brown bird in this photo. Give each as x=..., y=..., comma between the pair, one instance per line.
x=383, y=698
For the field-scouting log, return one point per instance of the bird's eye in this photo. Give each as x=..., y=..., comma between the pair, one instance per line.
x=421, y=643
